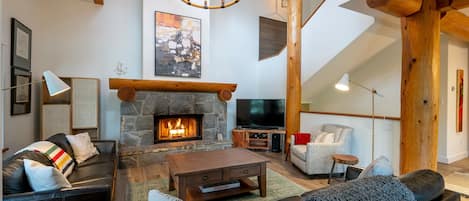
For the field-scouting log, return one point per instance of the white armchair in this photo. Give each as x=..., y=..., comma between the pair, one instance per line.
x=316, y=158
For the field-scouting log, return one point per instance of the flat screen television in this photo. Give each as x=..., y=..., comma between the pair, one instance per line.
x=260, y=113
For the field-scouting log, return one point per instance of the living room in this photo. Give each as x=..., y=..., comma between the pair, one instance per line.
x=112, y=42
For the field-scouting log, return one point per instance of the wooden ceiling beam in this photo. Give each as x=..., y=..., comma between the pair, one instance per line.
x=398, y=8
x=455, y=24
x=446, y=5
x=99, y=2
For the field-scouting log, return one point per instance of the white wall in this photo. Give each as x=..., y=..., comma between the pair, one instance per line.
x=453, y=145
x=387, y=136
x=75, y=38
x=382, y=72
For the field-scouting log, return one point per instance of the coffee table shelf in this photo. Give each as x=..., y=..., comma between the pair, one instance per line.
x=194, y=193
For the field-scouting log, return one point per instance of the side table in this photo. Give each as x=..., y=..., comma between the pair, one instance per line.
x=342, y=159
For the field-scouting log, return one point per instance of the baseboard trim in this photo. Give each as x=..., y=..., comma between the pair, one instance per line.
x=452, y=158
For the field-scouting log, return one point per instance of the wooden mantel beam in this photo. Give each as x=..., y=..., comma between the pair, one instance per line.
x=99, y=2
x=420, y=88
x=128, y=87
x=455, y=24
x=398, y=8
x=446, y=5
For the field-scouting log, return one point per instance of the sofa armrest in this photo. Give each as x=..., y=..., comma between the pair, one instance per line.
x=91, y=193
x=105, y=146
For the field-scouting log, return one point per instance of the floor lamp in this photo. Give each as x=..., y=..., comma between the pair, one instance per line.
x=344, y=85
x=54, y=85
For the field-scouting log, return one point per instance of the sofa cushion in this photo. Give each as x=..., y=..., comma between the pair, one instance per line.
x=61, y=141
x=299, y=151
x=92, y=172
x=44, y=178
x=14, y=176
x=98, y=159
x=61, y=160
x=82, y=146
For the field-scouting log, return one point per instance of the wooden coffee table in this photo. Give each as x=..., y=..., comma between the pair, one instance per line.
x=188, y=171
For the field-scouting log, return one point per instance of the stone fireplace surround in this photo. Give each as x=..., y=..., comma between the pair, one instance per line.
x=137, y=124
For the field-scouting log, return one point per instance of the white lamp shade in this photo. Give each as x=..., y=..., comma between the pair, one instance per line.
x=54, y=84
x=343, y=84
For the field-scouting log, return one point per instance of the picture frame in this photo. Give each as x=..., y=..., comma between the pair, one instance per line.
x=459, y=100
x=21, y=95
x=178, y=45
x=21, y=42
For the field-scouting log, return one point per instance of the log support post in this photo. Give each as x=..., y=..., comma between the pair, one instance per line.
x=420, y=88
x=293, y=95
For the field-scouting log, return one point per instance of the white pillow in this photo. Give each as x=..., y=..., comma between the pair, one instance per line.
x=82, y=147
x=320, y=137
x=44, y=178
x=381, y=166
x=155, y=195
x=328, y=139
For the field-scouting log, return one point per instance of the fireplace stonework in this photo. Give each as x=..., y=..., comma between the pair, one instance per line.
x=137, y=127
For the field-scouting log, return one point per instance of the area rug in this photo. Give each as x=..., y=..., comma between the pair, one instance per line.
x=278, y=187
x=458, y=182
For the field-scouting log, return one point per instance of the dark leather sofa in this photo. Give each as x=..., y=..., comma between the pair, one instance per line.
x=426, y=185
x=92, y=180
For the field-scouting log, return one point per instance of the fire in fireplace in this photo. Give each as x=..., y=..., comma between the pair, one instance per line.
x=174, y=128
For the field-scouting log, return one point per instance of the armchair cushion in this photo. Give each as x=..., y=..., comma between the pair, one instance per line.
x=302, y=138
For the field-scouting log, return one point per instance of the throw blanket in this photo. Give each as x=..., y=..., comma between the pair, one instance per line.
x=379, y=188
x=61, y=160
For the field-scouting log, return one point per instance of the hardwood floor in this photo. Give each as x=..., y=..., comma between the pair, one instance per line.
x=278, y=164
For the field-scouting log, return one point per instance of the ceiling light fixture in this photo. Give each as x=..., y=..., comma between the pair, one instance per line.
x=206, y=5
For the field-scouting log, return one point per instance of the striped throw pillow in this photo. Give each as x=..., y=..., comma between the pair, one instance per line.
x=61, y=160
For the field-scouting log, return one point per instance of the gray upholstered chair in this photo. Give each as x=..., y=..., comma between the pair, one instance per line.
x=315, y=158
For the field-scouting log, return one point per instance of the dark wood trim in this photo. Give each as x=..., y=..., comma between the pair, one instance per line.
x=354, y=115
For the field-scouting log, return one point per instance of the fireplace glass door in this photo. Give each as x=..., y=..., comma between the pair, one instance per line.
x=173, y=128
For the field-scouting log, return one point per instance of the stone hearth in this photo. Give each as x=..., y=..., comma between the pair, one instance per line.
x=137, y=127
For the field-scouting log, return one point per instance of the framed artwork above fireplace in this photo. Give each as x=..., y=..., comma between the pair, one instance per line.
x=177, y=45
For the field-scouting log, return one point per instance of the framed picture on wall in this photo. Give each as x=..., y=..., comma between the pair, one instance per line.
x=21, y=94
x=178, y=47
x=21, y=41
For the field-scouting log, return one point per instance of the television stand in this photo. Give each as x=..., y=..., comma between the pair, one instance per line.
x=259, y=139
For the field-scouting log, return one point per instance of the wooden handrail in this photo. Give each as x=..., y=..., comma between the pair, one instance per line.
x=354, y=115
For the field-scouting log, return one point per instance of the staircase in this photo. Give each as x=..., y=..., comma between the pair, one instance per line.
x=334, y=41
